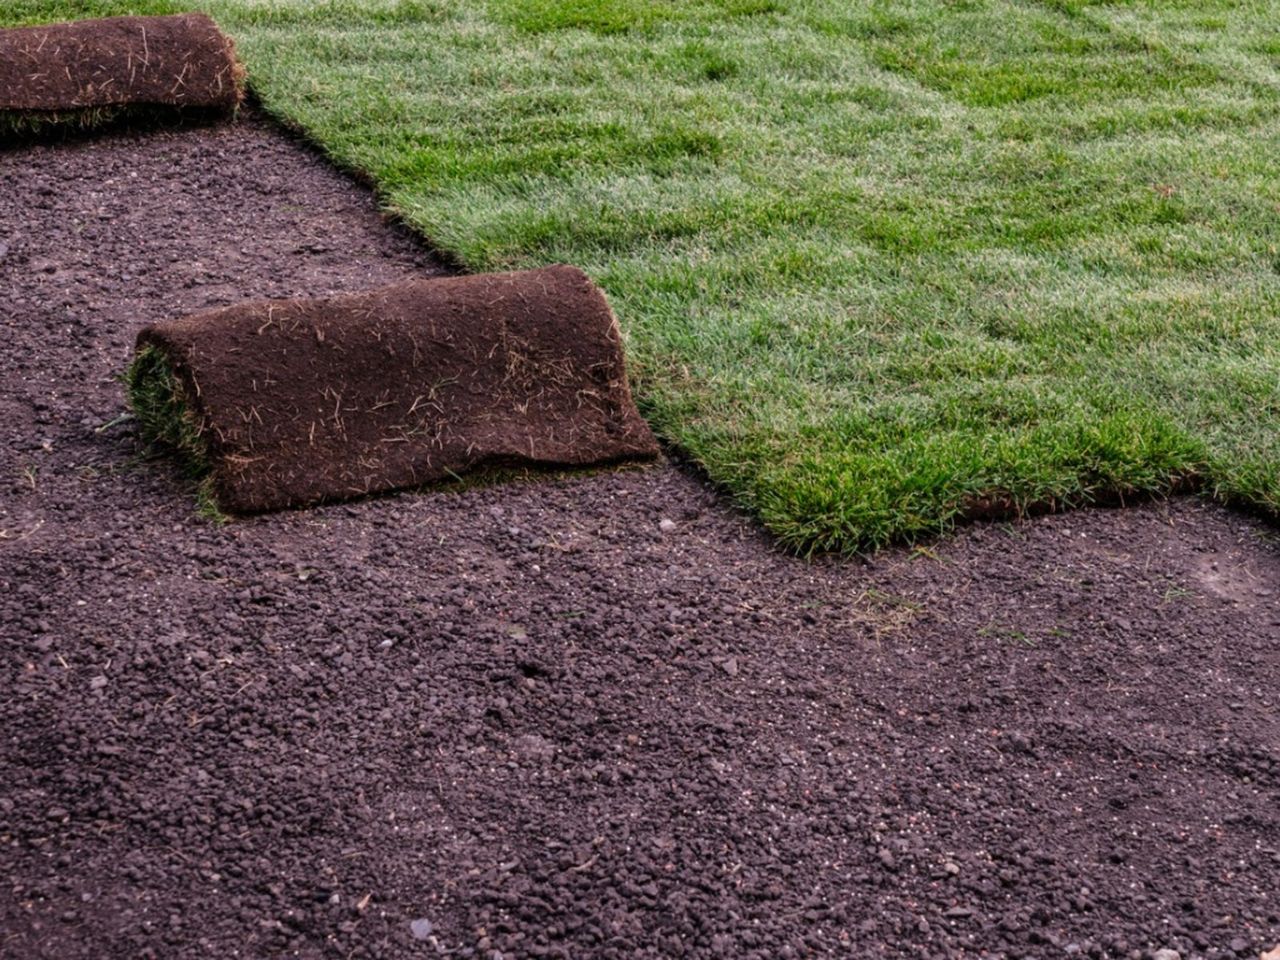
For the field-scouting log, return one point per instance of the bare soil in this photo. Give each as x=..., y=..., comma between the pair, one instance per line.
x=598, y=717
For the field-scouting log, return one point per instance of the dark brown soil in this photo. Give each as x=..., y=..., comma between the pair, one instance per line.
x=176, y=61
x=589, y=718
x=304, y=401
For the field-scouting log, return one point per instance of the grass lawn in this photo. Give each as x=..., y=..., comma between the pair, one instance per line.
x=876, y=262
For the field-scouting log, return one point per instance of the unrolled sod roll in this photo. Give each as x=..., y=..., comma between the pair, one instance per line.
x=294, y=402
x=69, y=69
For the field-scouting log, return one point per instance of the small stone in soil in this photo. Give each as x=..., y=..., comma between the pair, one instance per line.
x=420, y=928
x=666, y=525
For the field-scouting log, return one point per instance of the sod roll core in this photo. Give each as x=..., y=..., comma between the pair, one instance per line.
x=295, y=402
x=181, y=61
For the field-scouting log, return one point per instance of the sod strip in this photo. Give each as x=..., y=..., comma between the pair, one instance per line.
x=287, y=403
x=91, y=71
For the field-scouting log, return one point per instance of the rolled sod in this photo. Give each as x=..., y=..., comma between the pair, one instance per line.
x=285, y=403
x=91, y=70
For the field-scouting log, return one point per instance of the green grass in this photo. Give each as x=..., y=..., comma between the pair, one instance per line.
x=159, y=403
x=29, y=124
x=875, y=262
x=20, y=127
x=167, y=425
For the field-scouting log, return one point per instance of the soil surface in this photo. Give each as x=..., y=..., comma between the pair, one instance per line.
x=329, y=398
x=596, y=717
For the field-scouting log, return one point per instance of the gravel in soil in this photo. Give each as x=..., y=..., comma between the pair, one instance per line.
x=589, y=717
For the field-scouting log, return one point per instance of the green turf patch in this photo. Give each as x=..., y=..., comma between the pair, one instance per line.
x=879, y=265
x=1002, y=53
x=18, y=13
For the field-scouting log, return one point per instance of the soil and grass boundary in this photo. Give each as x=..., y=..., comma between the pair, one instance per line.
x=871, y=289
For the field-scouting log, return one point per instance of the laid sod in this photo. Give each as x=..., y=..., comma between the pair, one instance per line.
x=89, y=72
x=876, y=263
x=285, y=403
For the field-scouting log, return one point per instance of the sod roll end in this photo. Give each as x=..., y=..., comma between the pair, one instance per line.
x=288, y=403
